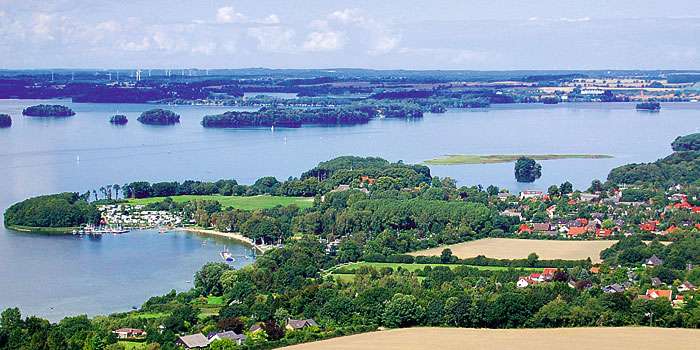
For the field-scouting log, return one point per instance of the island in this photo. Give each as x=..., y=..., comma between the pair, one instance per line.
x=294, y=118
x=118, y=119
x=649, y=106
x=459, y=159
x=48, y=111
x=5, y=121
x=159, y=117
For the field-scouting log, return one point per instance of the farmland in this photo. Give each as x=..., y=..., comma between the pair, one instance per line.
x=640, y=338
x=508, y=248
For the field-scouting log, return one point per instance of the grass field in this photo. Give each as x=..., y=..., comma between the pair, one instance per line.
x=212, y=300
x=638, y=338
x=511, y=248
x=240, y=202
x=132, y=345
x=455, y=159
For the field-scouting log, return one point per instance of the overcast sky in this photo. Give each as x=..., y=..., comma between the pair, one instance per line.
x=382, y=34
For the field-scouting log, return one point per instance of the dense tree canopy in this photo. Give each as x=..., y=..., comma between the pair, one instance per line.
x=58, y=210
x=686, y=143
x=159, y=117
x=48, y=111
x=527, y=170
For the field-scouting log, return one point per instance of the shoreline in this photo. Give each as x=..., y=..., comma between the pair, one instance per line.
x=230, y=235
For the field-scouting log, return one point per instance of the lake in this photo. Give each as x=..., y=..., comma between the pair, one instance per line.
x=84, y=152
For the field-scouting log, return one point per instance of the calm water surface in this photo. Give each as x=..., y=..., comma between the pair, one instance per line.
x=73, y=275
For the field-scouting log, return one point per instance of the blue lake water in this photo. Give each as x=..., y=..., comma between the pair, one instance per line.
x=39, y=156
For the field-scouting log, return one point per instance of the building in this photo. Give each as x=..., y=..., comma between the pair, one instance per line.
x=653, y=261
x=237, y=338
x=686, y=287
x=129, y=333
x=652, y=294
x=531, y=194
x=193, y=341
x=300, y=324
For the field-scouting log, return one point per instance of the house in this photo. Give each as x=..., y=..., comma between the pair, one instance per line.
x=531, y=194
x=129, y=333
x=255, y=328
x=368, y=180
x=576, y=231
x=237, y=338
x=300, y=324
x=686, y=287
x=537, y=277
x=649, y=226
x=193, y=341
x=541, y=227
x=548, y=273
x=524, y=228
x=656, y=282
x=613, y=288
x=525, y=281
x=594, y=269
x=652, y=294
x=589, y=197
x=512, y=213
x=653, y=261
x=603, y=232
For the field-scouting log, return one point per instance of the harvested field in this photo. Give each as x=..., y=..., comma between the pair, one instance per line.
x=511, y=248
x=638, y=338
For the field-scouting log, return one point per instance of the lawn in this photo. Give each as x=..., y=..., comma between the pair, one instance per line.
x=455, y=159
x=150, y=315
x=212, y=300
x=239, y=202
x=132, y=345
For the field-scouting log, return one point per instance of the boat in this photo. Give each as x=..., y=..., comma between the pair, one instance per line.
x=226, y=255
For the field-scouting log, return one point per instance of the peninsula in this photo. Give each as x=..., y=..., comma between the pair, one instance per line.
x=459, y=159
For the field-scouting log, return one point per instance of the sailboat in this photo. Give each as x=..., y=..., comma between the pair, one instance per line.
x=226, y=255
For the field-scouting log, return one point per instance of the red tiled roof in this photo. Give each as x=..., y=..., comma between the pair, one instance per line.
x=659, y=293
x=575, y=231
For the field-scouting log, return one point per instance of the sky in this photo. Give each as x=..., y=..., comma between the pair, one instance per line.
x=386, y=34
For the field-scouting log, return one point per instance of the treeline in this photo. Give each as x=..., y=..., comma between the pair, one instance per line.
x=447, y=258
x=48, y=111
x=677, y=168
x=59, y=210
x=294, y=118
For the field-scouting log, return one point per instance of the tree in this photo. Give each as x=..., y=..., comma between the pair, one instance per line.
x=566, y=188
x=231, y=324
x=446, y=256
x=596, y=186
x=527, y=170
x=273, y=330
x=402, y=311
x=532, y=259
x=208, y=279
x=553, y=191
